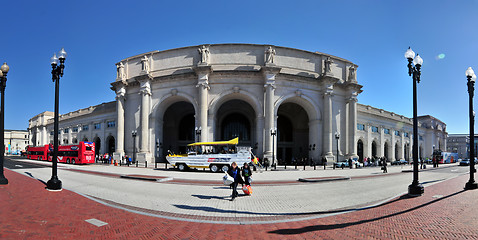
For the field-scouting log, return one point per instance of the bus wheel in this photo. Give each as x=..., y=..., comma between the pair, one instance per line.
x=72, y=161
x=225, y=168
x=68, y=160
x=182, y=167
x=39, y=158
x=214, y=168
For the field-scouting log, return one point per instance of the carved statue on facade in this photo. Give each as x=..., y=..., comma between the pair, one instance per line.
x=327, y=64
x=120, y=74
x=352, y=74
x=269, y=55
x=145, y=64
x=204, y=52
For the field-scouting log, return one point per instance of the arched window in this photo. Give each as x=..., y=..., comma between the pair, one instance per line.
x=236, y=125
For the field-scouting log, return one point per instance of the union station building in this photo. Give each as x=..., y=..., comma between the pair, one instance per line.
x=284, y=103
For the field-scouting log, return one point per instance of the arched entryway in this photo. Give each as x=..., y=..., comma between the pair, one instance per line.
x=235, y=118
x=360, y=150
x=292, y=139
x=178, y=127
x=97, y=141
x=110, y=141
x=406, y=151
x=374, y=149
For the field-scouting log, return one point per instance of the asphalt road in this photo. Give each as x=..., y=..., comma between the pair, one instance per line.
x=12, y=164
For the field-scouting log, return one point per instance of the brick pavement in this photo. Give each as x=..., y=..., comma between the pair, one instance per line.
x=28, y=211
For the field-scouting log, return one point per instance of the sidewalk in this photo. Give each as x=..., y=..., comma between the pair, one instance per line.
x=28, y=211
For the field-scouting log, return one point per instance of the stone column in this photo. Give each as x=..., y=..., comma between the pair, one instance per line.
x=203, y=73
x=352, y=124
x=120, y=99
x=145, y=91
x=327, y=133
x=44, y=136
x=269, y=73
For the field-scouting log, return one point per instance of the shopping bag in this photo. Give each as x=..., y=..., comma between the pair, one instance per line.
x=247, y=189
x=227, y=180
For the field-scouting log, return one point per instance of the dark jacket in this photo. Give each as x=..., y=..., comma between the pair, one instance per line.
x=238, y=177
x=246, y=172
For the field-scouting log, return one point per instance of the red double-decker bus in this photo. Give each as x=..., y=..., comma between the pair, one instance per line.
x=82, y=153
x=38, y=153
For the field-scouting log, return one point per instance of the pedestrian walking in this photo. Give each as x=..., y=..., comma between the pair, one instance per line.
x=324, y=160
x=235, y=173
x=247, y=174
x=384, y=166
x=350, y=163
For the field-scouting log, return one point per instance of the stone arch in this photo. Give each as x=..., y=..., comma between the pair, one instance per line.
x=169, y=99
x=374, y=149
x=110, y=145
x=386, y=150
x=313, y=110
x=243, y=95
x=157, y=115
x=360, y=149
x=97, y=142
x=314, y=116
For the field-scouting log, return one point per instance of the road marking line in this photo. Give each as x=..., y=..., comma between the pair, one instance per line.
x=96, y=222
x=18, y=165
x=437, y=196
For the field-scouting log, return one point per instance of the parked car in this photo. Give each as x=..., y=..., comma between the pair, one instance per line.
x=465, y=162
x=345, y=164
x=399, y=162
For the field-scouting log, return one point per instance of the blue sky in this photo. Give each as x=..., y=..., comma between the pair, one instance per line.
x=373, y=34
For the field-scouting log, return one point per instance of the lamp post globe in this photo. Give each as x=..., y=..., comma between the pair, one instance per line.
x=470, y=76
x=3, y=83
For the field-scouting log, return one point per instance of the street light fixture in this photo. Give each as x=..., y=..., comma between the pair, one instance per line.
x=414, y=65
x=470, y=75
x=134, y=134
x=337, y=136
x=273, y=134
x=3, y=83
x=54, y=184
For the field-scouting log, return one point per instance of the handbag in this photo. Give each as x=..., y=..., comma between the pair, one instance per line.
x=227, y=180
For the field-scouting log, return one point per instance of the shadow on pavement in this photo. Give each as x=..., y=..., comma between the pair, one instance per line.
x=31, y=175
x=343, y=225
x=208, y=197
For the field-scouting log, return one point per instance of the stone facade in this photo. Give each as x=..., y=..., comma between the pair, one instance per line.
x=217, y=92
x=459, y=143
x=15, y=141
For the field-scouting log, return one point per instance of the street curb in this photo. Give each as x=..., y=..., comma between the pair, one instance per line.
x=323, y=179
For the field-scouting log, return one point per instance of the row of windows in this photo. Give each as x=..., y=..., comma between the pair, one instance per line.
x=375, y=129
x=96, y=126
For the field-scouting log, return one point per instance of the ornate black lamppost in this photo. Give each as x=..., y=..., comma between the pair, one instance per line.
x=134, y=133
x=414, y=65
x=273, y=134
x=470, y=75
x=3, y=83
x=57, y=72
x=337, y=136
x=198, y=133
